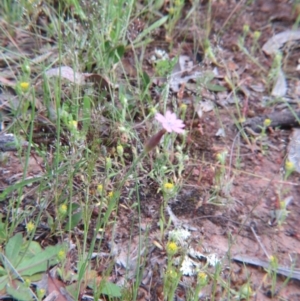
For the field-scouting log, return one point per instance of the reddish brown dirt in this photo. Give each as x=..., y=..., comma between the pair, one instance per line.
x=256, y=184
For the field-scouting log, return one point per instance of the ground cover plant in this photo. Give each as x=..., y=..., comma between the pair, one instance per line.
x=149, y=150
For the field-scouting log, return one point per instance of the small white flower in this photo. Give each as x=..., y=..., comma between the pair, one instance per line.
x=153, y=58
x=212, y=259
x=161, y=54
x=180, y=236
x=187, y=267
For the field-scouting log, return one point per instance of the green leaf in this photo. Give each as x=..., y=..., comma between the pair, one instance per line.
x=165, y=67
x=32, y=249
x=143, y=43
x=3, y=282
x=3, y=233
x=75, y=219
x=207, y=77
x=153, y=26
x=72, y=289
x=13, y=248
x=16, y=186
x=2, y=271
x=117, y=53
x=146, y=79
x=110, y=289
x=50, y=220
x=78, y=10
x=21, y=293
x=73, y=207
x=215, y=88
x=107, y=288
x=86, y=121
x=40, y=262
x=36, y=277
x=114, y=53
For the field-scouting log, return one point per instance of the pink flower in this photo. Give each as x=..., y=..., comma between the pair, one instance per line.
x=170, y=122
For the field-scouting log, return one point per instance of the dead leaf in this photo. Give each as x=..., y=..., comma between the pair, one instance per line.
x=56, y=285
x=39, y=59
x=92, y=278
x=280, y=86
x=7, y=82
x=232, y=66
x=129, y=67
x=100, y=81
x=184, y=65
x=294, y=149
x=9, y=103
x=204, y=106
x=52, y=296
x=67, y=73
x=276, y=42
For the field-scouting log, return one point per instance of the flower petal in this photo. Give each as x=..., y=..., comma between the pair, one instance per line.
x=178, y=130
x=170, y=122
x=159, y=117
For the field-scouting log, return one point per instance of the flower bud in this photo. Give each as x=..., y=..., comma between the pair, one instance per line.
x=267, y=122
x=154, y=140
x=120, y=150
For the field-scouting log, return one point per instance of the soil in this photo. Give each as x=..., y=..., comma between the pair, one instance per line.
x=239, y=220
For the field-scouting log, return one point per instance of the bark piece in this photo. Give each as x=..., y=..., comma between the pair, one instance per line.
x=286, y=119
x=8, y=142
x=294, y=149
x=281, y=270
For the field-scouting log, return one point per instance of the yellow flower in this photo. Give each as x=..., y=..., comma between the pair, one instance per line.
x=202, y=278
x=256, y=35
x=183, y=107
x=202, y=275
x=24, y=86
x=100, y=188
x=242, y=119
x=172, y=11
x=246, y=28
x=289, y=165
x=178, y=2
x=61, y=255
x=267, y=122
x=73, y=124
x=40, y=293
x=171, y=248
x=27, y=282
x=246, y=291
x=110, y=194
x=282, y=206
x=63, y=209
x=172, y=274
x=30, y=227
x=153, y=111
x=168, y=186
x=273, y=260
x=120, y=150
x=108, y=162
x=221, y=157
